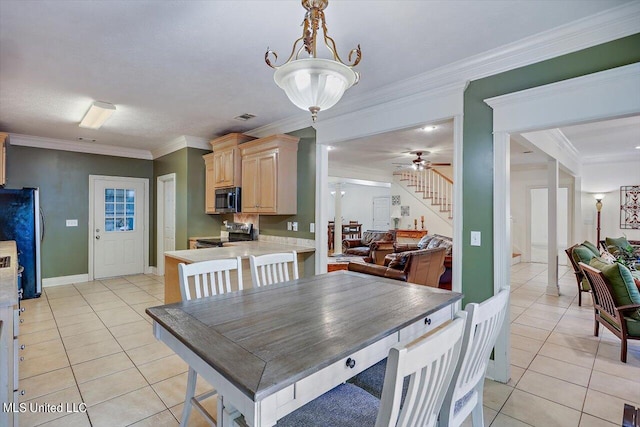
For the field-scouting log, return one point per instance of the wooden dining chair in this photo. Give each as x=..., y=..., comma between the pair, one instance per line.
x=464, y=395
x=199, y=280
x=273, y=268
x=428, y=361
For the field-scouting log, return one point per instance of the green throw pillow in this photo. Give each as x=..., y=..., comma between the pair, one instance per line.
x=591, y=247
x=582, y=253
x=619, y=242
x=624, y=288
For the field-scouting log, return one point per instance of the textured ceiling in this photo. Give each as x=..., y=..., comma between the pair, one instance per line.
x=187, y=68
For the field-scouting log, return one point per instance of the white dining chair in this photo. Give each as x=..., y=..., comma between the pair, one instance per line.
x=464, y=396
x=273, y=268
x=199, y=280
x=428, y=361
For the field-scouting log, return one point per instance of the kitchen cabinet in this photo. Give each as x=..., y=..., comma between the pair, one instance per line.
x=222, y=166
x=3, y=158
x=209, y=187
x=270, y=175
x=226, y=160
x=9, y=328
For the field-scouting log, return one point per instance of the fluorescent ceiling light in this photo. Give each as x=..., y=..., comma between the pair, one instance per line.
x=97, y=115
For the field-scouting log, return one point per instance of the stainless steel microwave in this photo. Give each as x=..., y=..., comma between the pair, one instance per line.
x=228, y=200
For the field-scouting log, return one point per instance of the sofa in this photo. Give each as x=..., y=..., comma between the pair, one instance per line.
x=422, y=267
x=362, y=246
x=429, y=241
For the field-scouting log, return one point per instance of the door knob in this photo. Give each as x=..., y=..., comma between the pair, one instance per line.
x=97, y=237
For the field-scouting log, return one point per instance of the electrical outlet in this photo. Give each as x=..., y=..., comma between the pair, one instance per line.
x=475, y=238
x=289, y=226
x=312, y=227
x=295, y=226
x=72, y=223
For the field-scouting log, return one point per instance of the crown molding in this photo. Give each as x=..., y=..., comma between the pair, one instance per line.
x=591, y=31
x=78, y=147
x=626, y=72
x=612, y=158
x=183, y=141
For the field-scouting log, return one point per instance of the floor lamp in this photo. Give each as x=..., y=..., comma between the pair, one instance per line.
x=598, y=198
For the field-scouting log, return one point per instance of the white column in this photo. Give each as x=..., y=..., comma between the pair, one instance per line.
x=552, y=228
x=337, y=230
x=322, y=213
x=576, y=233
x=500, y=368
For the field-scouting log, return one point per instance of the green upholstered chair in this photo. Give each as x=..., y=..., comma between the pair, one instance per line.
x=581, y=252
x=616, y=301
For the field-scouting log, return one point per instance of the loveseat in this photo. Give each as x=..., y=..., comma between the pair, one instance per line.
x=362, y=246
x=422, y=267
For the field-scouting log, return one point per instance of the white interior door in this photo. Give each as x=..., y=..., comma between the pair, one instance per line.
x=118, y=227
x=166, y=222
x=381, y=213
x=539, y=227
x=169, y=235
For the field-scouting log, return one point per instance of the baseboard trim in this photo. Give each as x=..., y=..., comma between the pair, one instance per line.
x=64, y=280
x=151, y=270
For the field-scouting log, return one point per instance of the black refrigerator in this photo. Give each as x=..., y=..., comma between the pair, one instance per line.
x=21, y=220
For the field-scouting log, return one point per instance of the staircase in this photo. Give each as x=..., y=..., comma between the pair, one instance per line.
x=434, y=189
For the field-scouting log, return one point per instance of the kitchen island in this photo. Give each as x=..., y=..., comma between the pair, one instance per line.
x=230, y=250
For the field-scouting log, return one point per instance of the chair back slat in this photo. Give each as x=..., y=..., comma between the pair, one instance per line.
x=273, y=268
x=602, y=292
x=208, y=278
x=484, y=322
x=429, y=362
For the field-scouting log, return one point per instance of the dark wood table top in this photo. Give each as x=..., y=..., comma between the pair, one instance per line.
x=265, y=339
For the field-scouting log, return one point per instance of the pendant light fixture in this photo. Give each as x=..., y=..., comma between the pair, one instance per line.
x=313, y=83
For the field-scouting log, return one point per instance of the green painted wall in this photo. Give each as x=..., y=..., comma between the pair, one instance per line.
x=191, y=220
x=63, y=179
x=477, y=264
x=276, y=225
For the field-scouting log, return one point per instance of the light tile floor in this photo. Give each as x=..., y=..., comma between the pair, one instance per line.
x=92, y=343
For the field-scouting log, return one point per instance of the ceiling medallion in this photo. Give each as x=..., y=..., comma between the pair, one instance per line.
x=313, y=83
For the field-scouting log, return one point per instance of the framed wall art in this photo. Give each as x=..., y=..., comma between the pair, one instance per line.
x=630, y=207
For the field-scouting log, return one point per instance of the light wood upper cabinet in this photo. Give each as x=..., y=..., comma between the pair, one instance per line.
x=226, y=160
x=270, y=175
x=3, y=158
x=222, y=167
x=210, y=190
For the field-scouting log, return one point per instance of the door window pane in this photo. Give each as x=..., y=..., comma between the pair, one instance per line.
x=119, y=209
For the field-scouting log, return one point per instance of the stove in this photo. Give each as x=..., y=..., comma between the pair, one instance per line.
x=238, y=232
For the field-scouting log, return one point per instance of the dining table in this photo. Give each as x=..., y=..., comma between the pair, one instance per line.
x=272, y=349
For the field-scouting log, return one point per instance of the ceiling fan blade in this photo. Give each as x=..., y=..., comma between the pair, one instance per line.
x=439, y=164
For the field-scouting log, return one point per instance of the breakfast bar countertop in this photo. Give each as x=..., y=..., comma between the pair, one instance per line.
x=229, y=250
x=235, y=249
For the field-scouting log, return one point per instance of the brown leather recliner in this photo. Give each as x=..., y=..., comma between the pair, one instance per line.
x=423, y=267
x=362, y=246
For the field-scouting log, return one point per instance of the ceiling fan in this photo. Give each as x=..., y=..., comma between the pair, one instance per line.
x=419, y=163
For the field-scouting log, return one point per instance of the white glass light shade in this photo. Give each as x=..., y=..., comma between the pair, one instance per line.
x=313, y=83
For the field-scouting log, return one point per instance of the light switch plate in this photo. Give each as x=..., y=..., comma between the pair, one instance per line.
x=475, y=238
x=289, y=226
x=312, y=227
x=72, y=223
x=295, y=226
